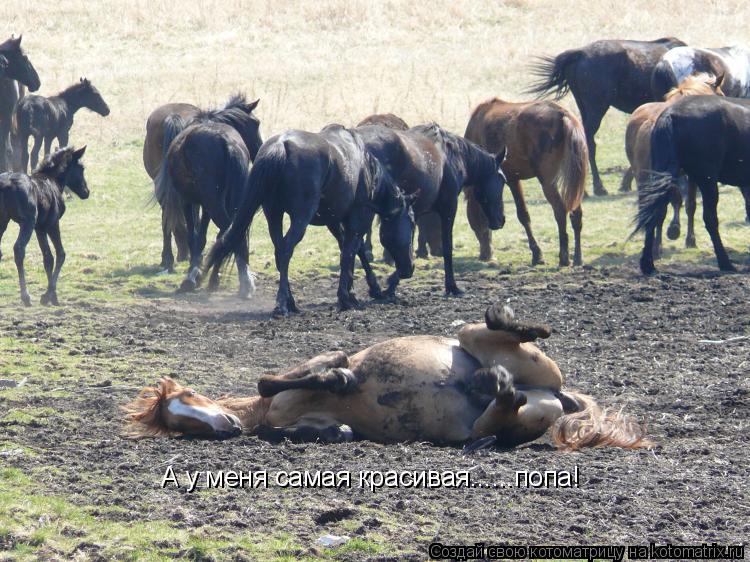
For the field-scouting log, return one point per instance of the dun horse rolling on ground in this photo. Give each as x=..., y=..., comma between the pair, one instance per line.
x=51, y=118
x=203, y=177
x=545, y=141
x=325, y=178
x=36, y=203
x=153, y=153
x=602, y=74
x=435, y=165
x=638, y=150
x=17, y=68
x=489, y=385
x=708, y=139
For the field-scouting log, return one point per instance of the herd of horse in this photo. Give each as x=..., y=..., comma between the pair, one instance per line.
x=690, y=129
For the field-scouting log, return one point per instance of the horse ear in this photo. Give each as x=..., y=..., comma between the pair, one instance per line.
x=252, y=105
x=78, y=154
x=18, y=41
x=500, y=157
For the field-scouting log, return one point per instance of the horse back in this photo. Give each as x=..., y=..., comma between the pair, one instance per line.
x=17, y=198
x=152, y=145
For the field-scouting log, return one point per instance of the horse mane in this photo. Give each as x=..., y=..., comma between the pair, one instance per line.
x=593, y=426
x=55, y=163
x=83, y=84
x=695, y=85
x=234, y=113
x=143, y=415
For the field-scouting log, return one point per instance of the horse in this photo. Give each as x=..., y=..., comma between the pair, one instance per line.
x=605, y=73
x=706, y=138
x=153, y=152
x=51, y=118
x=330, y=179
x=435, y=165
x=638, y=150
x=543, y=140
x=730, y=65
x=18, y=71
x=491, y=384
x=37, y=204
x=203, y=176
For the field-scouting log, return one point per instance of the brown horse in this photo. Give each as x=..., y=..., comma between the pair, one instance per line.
x=153, y=153
x=416, y=388
x=546, y=141
x=638, y=149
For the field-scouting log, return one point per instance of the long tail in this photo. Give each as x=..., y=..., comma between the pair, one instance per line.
x=655, y=191
x=260, y=182
x=593, y=426
x=663, y=79
x=164, y=191
x=551, y=74
x=571, y=176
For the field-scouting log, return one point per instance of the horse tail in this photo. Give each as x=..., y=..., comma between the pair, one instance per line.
x=572, y=173
x=593, y=426
x=164, y=190
x=655, y=190
x=260, y=181
x=552, y=74
x=663, y=79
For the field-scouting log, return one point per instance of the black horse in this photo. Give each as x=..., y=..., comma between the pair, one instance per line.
x=17, y=68
x=708, y=139
x=203, y=177
x=434, y=165
x=51, y=118
x=602, y=74
x=330, y=179
x=36, y=203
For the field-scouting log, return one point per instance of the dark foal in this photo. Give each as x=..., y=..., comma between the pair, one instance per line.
x=37, y=204
x=47, y=119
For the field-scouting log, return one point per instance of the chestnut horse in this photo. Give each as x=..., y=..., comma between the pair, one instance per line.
x=543, y=140
x=153, y=154
x=415, y=388
x=638, y=150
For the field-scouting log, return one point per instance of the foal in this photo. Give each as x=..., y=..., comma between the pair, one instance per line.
x=50, y=118
x=36, y=203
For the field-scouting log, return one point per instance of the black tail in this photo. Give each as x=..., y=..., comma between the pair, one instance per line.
x=552, y=75
x=164, y=191
x=654, y=193
x=260, y=183
x=663, y=80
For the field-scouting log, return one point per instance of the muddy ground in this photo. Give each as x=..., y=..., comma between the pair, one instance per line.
x=629, y=341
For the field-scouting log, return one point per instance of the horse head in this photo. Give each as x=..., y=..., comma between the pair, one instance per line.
x=92, y=98
x=172, y=409
x=238, y=113
x=489, y=191
x=18, y=65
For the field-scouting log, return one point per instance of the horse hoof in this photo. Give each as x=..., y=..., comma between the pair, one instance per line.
x=279, y=312
x=421, y=254
x=454, y=292
x=577, y=262
x=187, y=286
x=599, y=190
x=26, y=300
x=375, y=293
x=728, y=266
x=690, y=243
x=485, y=256
x=673, y=232
x=537, y=260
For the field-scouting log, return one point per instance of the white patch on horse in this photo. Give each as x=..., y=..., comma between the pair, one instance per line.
x=682, y=61
x=738, y=63
x=203, y=413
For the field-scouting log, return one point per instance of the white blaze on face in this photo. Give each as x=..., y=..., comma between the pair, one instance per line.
x=211, y=415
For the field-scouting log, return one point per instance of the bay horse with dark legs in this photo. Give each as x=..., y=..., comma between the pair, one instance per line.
x=706, y=138
x=545, y=141
x=47, y=119
x=638, y=150
x=203, y=177
x=330, y=179
x=37, y=204
x=153, y=153
x=606, y=73
x=489, y=385
x=18, y=71
x=435, y=165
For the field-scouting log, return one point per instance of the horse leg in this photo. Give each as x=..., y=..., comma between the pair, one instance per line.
x=49, y=261
x=54, y=234
x=308, y=429
x=319, y=363
x=745, y=189
x=35, y=151
x=349, y=244
x=48, y=145
x=558, y=207
x=19, y=252
x=673, y=230
x=181, y=241
x=338, y=380
x=478, y=223
x=447, y=216
x=657, y=240
x=283, y=251
x=627, y=181
x=429, y=235
x=167, y=257
x=516, y=189
x=576, y=221
x=592, y=119
x=25, y=153
x=3, y=226
x=192, y=278
x=690, y=210
x=710, y=192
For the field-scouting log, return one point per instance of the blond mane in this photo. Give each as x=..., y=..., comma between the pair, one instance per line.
x=702, y=84
x=143, y=415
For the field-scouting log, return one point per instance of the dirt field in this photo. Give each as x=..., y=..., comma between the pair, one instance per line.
x=630, y=342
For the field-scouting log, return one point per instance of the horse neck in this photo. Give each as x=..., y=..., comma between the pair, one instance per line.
x=475, y=167
x=72, y=99
x=251, y=410
x=47, y=188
